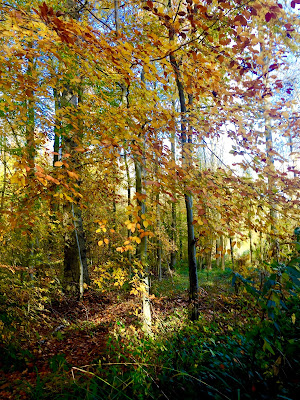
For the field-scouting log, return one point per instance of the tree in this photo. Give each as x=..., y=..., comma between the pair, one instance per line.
x=90, y=70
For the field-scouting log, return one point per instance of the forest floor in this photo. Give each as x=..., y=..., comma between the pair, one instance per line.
x=68, y=334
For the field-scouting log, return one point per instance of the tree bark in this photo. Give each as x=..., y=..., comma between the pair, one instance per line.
x=173, y=255
x=75, y=251
x=232, y=254
x=159, y=244
x=142, y=247
x=193, y=277
x=222, y=245
x=4, y=161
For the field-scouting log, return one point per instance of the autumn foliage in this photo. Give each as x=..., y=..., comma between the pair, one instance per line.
x=142, y=142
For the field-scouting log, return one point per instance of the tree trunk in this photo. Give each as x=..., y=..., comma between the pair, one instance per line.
x=222, y=245
x=4, y=161
x=193, y=290
x=56, y=127
x=267, y=96
x=251, y=247
x=128, y=204
x=142, y=247
x=159, y=245
x=218, y=253
x=117, y=17
x=232, y=254
x=30, y=153
x=173, y=254
x=75, y=252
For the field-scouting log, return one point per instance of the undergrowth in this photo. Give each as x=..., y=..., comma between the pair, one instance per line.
x=244, y=346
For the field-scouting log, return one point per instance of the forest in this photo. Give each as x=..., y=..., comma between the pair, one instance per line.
x=149, y=177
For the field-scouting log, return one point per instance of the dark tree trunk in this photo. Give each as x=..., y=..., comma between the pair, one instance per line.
x=193, y=277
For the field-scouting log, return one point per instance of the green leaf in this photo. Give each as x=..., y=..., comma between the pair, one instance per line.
x=267, y=346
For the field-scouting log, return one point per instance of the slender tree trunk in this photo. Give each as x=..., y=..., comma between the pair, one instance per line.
x=30, y=140
x=128, y=204
x=251, y=247
x=75, y=251
x=4, y=161
x=142, y=247
x=159, y=244
x=173, y=254
x=232, y=254
x=209, y=254
x=139, y=164
x=222, y=245
x=56, y=127
x=30, y=151
x=180, y=245
x=193, y=278
x=117, y=17
x=261, y=249
x=274, y=244
x=218, y=253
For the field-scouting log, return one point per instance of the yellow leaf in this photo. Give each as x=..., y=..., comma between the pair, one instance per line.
x=146, y=224
x=293, y=318
x=138, y=240
x=106, y=241
x=69, y=198
x=100, y=243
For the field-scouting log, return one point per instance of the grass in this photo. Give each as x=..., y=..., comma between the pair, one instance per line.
x=178, y=283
